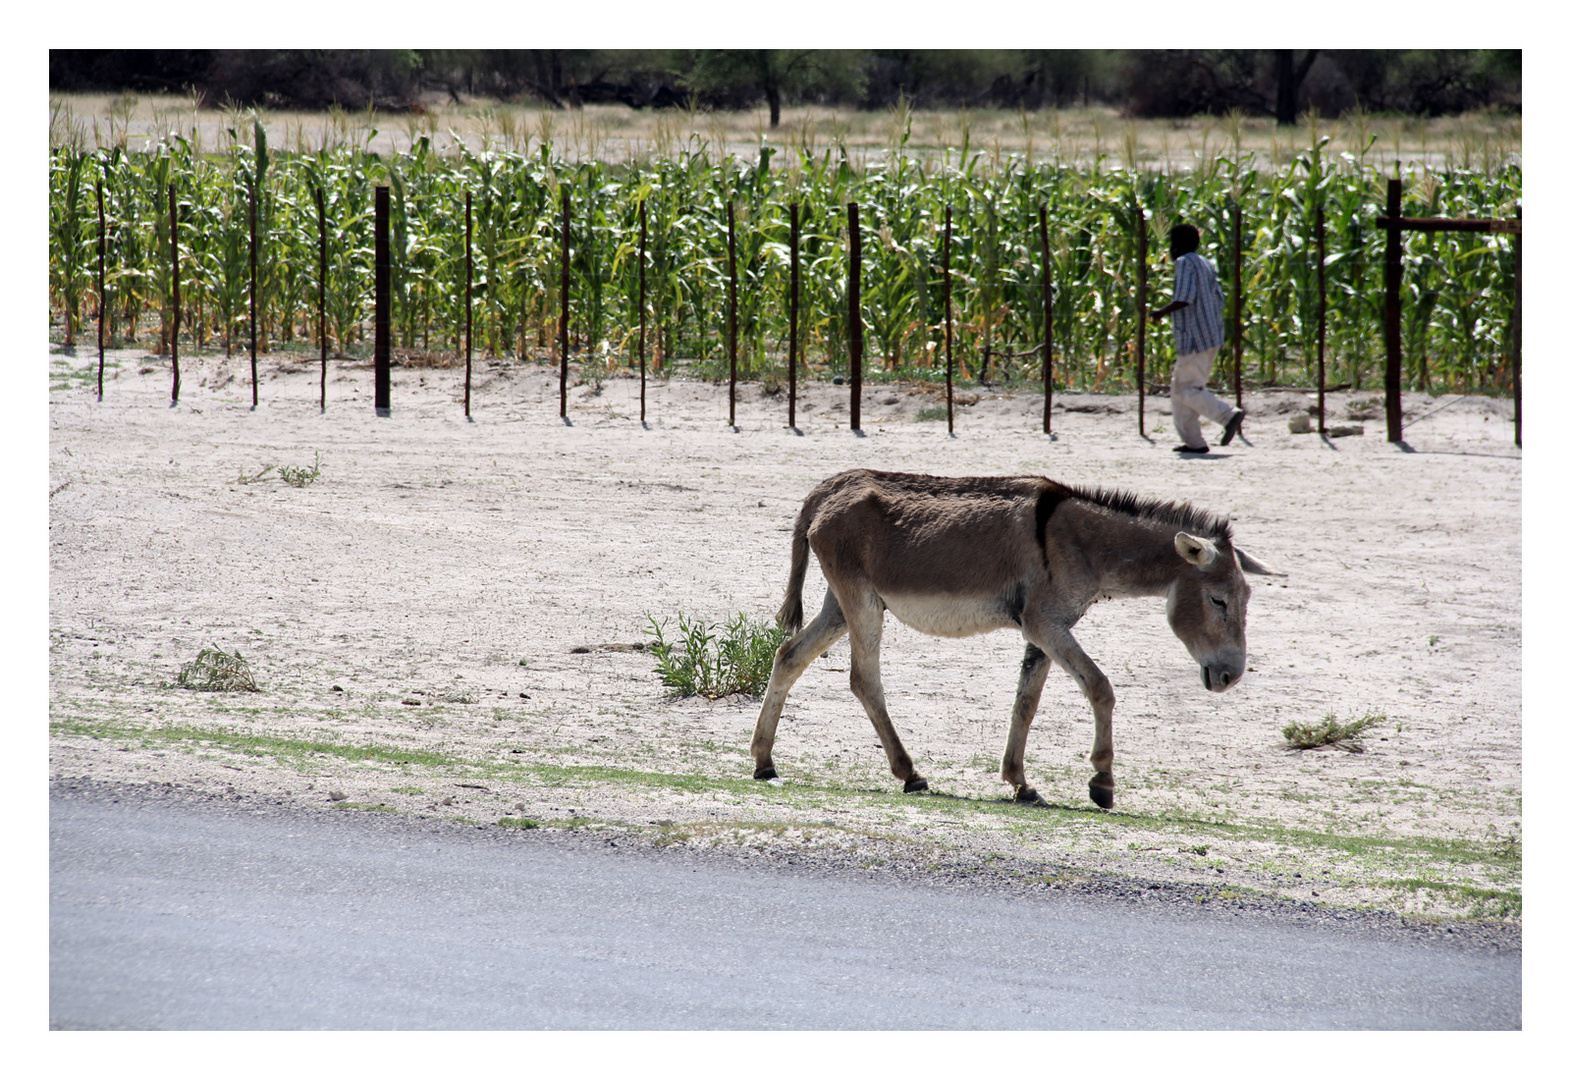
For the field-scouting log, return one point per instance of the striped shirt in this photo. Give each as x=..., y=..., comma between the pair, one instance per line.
x=1197, y=327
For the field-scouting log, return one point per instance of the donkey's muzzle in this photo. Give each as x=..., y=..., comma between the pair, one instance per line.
x=1218, y=677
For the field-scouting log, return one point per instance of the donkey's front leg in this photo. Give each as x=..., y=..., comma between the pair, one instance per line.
x=1059, y=644
x=1033, y=673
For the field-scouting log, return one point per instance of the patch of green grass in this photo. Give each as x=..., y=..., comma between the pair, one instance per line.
x=713, y=660
x=1331, y=732
x=380, y=808
x=299, y=475
x=294, y=475
x=517, y=823
x=1481, y=903
x=933, y=412
x=257, y=745
x=214, y=669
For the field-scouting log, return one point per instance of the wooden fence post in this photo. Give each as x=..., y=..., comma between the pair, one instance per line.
x=854, y=317
x=103, y=244
x=1393, y=313
x=1047, y=323
x=384, y=302
x=174, y=330
x=253, y=299
x=321, y=286
x=469, y=296
x=730, y=233
x=1140, y=312
x=561, y=329
x=1516, y=332
x=1238, y=305
x=643, y=245
x=949, y=330
x=791, y=341
x=1320, y=334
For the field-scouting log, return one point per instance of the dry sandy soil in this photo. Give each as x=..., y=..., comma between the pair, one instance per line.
x=441, y=624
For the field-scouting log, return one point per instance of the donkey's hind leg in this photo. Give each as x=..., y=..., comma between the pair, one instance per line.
x=866, y=623
x=1033, y=673
x=791, y=659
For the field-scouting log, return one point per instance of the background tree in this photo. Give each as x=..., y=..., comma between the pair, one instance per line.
x=1289, y=78
x=740, y=74
x=1152, y=82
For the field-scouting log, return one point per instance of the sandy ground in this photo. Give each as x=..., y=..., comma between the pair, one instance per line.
x=440, y=625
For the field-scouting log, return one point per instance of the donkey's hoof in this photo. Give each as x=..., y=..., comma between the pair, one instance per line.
x=1025, y=793
x=1102, y=790
x=916, y=783
x=766, y=772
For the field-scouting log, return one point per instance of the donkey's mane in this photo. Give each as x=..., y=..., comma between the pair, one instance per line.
x=1185, y=516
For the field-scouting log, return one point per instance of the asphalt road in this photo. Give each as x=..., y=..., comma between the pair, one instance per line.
x=179, y=914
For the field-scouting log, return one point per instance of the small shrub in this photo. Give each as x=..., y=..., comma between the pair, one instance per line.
x=933, y=412
x=299, y=475
x=1331, y=732
x=214, y=669
x=294, y=475
x=713, y=660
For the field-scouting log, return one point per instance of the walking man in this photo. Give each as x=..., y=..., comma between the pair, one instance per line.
x=1198, y=335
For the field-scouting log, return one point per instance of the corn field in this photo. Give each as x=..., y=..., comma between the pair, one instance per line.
x=1456, y=307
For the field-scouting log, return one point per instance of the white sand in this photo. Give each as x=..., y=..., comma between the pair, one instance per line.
x=433, y=554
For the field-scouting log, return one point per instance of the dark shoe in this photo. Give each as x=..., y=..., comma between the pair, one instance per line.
x=1232, y=427
x=1191, y=450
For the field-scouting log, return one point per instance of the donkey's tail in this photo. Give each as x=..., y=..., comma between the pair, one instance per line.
x=790, y=614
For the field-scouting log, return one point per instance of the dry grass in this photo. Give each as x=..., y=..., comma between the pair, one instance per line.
x=1331, y=732
x=616, y=133
x=214, y=669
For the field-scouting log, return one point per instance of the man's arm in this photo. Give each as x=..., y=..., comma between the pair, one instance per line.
x=1183, y=286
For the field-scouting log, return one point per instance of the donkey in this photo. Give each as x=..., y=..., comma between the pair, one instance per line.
x=966, y=555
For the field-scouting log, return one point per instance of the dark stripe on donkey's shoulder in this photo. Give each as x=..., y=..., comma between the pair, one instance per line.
x=1047, y=501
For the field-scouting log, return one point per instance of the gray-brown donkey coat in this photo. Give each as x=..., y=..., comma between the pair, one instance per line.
x=965, y=555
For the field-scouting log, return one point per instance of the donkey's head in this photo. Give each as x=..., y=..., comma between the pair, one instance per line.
x=1207, y=604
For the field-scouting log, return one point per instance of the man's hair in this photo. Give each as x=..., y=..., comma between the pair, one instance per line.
x=1184, y=237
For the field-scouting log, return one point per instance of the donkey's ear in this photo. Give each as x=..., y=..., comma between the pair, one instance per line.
x=1195, y=549
x=1251, y=565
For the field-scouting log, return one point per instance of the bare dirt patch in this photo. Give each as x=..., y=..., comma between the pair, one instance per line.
x=442, y=623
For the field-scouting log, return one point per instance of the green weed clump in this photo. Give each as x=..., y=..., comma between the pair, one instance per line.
x=713, y=660
x=214, y=669
x=1331, y=732
x=293, y=475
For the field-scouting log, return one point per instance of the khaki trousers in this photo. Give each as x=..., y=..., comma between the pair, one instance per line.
x=1191, y=399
